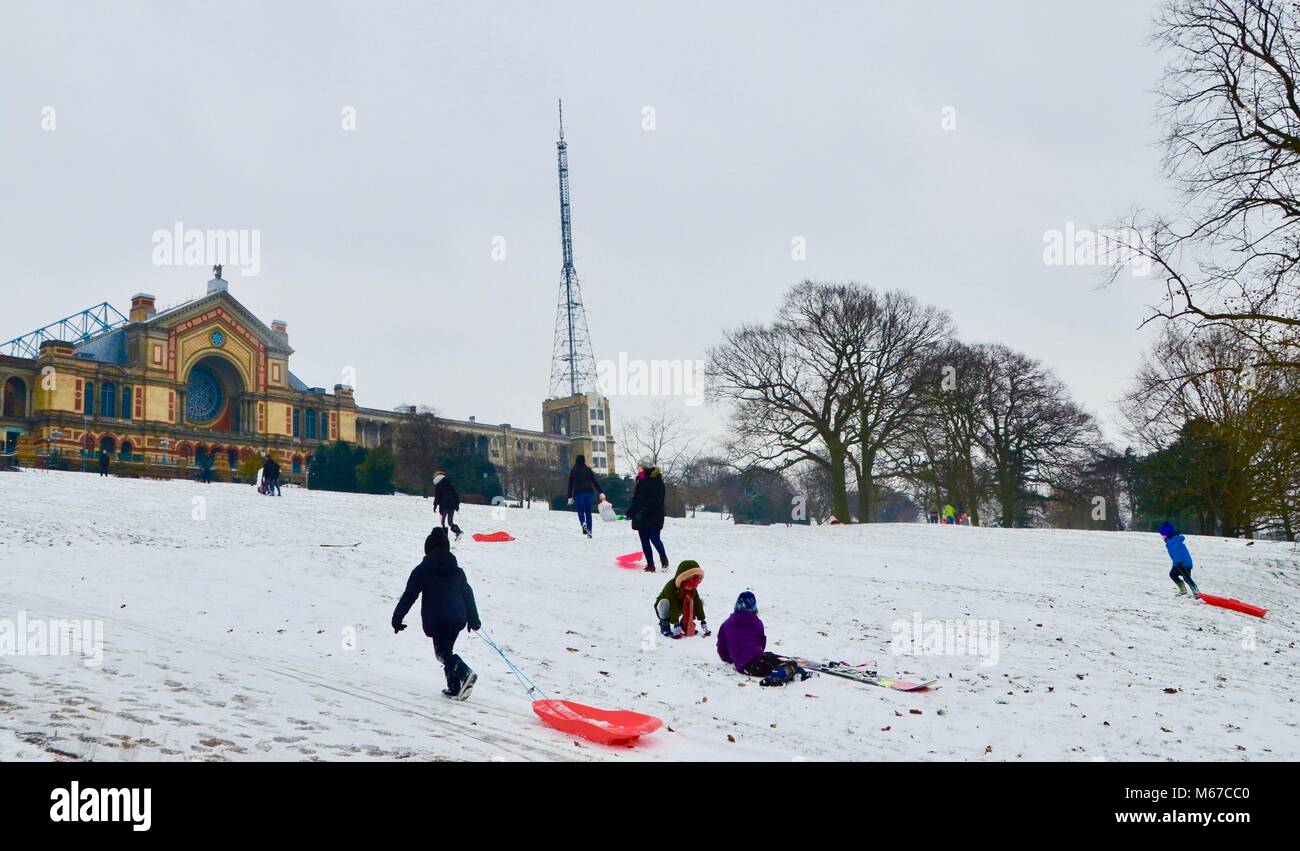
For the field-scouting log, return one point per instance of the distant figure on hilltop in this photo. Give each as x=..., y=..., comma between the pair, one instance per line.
x=446, y=501
x=271, y=476
x=103, y=462
x=583, y=491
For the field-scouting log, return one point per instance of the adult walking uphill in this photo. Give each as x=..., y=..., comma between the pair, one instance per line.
x=446, y=501
x=446, y=607
x=583, y=491
x=647, y=512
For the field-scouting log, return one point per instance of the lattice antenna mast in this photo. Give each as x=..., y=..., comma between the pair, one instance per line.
x=573, y=365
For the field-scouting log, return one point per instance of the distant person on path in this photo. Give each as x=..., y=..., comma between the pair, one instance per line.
x=1176, y=545
x=103, y=462
x=205, y=469
x=647, y=512
x=583, y=491
x=271, y=476
x=446, y=607
x=950, y=515
x=446, y=501
x=742, y=642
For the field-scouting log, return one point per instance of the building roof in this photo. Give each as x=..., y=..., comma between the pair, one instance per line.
x=109, y=347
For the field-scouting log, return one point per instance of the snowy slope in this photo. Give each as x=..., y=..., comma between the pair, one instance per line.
x=225, y=627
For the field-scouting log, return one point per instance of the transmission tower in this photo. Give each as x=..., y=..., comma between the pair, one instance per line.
x=573, y=366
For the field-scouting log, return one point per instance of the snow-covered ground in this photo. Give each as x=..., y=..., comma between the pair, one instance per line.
x=227, y=630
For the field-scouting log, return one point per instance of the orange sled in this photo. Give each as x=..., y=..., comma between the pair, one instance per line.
x=1235, y=605
x=495, y=537
x=606, y=726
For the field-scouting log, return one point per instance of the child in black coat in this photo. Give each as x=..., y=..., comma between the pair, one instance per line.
x=447, y=607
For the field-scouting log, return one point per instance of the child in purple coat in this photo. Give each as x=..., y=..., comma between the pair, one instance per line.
x=743, y=644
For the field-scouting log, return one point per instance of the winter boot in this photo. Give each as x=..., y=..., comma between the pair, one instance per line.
x=467, y=685
x=665, y=629
x=780, y=676
x=650, y=567
x=663, y=562
x=1182, y=590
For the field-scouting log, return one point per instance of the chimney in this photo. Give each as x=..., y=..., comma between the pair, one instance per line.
x=142, y=309
x=281, y=328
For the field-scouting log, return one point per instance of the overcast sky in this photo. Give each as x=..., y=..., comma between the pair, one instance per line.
x=772, y=121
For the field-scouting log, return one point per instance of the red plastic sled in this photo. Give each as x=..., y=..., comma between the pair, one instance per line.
x=606, y=726
x=632, y=560
x=495, y=537
x=1235, y=605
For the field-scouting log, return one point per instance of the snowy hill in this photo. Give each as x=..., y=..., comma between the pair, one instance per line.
x=225, y=625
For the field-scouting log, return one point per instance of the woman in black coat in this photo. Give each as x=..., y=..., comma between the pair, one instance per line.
x=647, y=512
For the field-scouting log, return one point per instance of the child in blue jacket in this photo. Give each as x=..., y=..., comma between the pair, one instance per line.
x=1182, y=559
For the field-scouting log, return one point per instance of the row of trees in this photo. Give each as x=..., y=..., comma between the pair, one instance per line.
x=866, y=397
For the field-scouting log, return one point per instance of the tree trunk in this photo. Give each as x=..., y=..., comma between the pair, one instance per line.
x=839, y=485
x=866, y=496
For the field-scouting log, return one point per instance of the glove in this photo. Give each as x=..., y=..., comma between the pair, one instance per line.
x=474, y=627
x=570, y=500
x=398, y=627
x=704, y=628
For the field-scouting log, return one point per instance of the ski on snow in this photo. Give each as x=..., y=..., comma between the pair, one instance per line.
x=861, y=675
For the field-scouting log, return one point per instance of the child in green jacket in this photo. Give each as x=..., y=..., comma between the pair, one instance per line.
x=669, y=604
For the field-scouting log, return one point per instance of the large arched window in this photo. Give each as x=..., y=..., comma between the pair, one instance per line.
x=232, y=458
x=126, y=402
x=88, y=403
x=128, y=449
x=311, y=423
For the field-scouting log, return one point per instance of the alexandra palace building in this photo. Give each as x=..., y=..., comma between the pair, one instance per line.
x=208, y=378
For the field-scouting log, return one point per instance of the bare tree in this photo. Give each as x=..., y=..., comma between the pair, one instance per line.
x=1231, y=107
x=665, y=436
x=939, y=454
x=531, y=477
x=790, y=384
x=1031, y=432
x=421, y=442
x=889, y=382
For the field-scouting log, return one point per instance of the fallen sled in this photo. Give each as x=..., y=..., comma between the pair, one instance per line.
x=605, y=726
x=1235, y=605
x=493, y=537
x=632, y=561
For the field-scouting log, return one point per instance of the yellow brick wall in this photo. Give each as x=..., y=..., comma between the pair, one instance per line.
x=155, y=404
x=276, y=418
x=61, y=397
x=348, y=426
